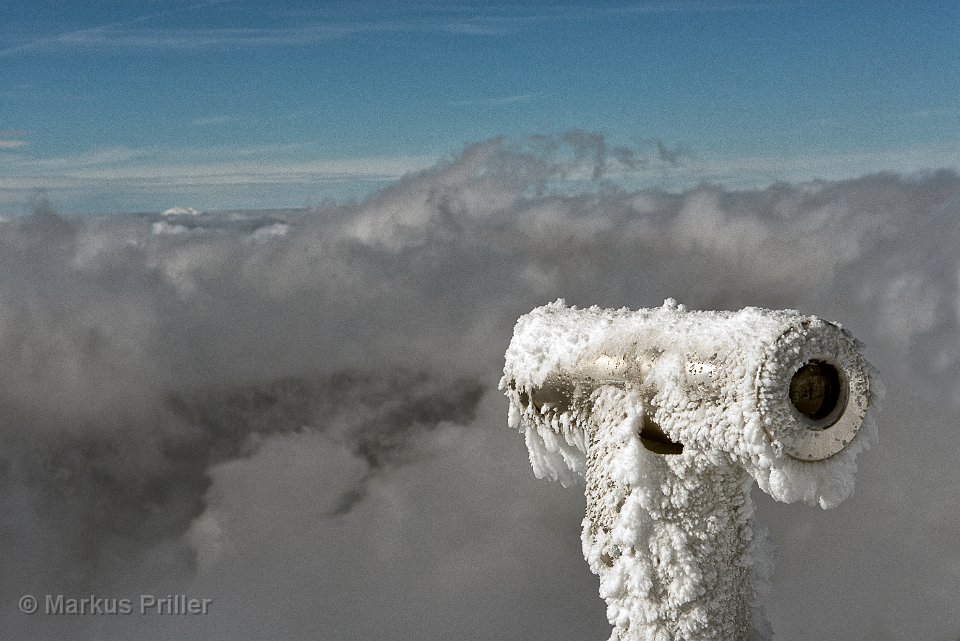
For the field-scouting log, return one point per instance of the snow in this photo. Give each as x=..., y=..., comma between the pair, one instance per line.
x=181, y=211
x=671, y=536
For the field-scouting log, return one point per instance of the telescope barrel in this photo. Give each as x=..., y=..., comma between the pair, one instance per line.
x=770, y=383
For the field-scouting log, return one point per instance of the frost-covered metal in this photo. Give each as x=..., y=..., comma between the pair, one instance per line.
x=669, y=416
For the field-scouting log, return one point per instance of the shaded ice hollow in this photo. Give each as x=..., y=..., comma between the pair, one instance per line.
x=669, y=415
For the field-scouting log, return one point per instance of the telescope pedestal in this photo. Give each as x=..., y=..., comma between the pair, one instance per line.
x=671, y=536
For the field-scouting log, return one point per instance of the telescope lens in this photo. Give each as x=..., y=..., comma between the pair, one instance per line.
x=815, y=390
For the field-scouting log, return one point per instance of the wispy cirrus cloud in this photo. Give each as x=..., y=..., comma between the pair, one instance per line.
x=272, y=171
x=127, y=37
x=320, y=25
x=498, y=101
x=208, y=121
x=166, y=167
x=683, y=6
x=98, y=157
x=13, y=139
x=294, y=174
x=303, y=30
x=761, y=170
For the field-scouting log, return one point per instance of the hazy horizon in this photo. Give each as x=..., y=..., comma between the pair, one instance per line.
x=281, y=396
x=234, y=104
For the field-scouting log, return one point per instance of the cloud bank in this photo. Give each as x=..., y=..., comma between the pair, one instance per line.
x=294, y=413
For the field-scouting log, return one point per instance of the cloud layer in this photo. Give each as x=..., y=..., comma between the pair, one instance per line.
x=294, y=413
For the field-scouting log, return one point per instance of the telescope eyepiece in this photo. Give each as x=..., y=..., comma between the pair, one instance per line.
x=816, y=392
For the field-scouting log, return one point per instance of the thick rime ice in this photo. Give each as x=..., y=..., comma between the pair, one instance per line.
x=669, y=414
x=669, y=536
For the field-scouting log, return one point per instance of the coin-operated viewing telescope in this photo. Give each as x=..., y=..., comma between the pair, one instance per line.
x=669, y=415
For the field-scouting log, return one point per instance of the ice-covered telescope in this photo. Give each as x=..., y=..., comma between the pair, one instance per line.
x=669, y=415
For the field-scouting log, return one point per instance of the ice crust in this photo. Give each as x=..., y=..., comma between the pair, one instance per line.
x=671, y=535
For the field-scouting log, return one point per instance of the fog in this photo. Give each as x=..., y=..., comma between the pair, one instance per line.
x=294, y=413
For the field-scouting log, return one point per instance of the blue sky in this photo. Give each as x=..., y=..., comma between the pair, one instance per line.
x=143, y=105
